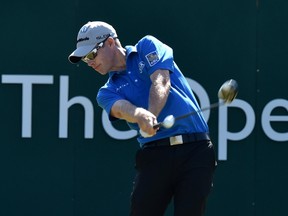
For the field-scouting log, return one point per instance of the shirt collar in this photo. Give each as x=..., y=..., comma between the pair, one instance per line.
x=129, y=50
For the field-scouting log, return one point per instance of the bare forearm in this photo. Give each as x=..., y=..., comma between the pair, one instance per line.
x=123, y=109
x=159, y=91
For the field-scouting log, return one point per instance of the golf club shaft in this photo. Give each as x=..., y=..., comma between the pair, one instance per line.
x=214, y=105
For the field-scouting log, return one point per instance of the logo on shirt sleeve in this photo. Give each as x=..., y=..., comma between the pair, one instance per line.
x=141, y=66
x=152, y=58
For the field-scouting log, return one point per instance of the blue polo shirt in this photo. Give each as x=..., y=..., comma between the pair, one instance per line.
x=133, y=84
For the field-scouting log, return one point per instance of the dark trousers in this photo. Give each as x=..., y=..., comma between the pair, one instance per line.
x=183, y=172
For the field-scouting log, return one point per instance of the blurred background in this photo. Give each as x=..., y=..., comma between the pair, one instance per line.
x=60, y=156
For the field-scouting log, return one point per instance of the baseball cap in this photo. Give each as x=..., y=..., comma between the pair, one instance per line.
x=89, y=35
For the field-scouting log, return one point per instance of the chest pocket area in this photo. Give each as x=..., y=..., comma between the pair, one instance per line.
x=137, y=91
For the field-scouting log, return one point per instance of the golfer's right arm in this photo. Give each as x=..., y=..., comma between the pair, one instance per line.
x=123, y=109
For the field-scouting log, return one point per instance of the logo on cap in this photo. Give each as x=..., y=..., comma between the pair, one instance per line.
x=102, y=37
x=84, y=29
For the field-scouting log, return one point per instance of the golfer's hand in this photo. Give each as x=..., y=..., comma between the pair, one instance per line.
x=146, y=120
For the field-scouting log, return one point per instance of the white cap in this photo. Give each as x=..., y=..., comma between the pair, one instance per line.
x=89, y=35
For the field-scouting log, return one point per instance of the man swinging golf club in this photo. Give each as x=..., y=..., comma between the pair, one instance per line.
x=144, y=86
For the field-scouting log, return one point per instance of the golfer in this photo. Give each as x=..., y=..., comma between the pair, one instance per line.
x=144, y=86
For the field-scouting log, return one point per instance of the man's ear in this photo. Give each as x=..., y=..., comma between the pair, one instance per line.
x=111, y=41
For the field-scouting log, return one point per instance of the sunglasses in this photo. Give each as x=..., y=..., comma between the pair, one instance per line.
x=92, y=55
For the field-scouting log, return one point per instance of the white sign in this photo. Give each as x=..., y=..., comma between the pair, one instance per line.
x=28, y=83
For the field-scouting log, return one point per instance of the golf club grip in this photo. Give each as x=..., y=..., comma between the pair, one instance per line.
x=158, y=125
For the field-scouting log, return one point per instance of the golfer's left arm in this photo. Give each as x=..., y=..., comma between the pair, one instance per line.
x=159, y=90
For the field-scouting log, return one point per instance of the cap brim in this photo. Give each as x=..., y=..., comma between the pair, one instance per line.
x=79, y=53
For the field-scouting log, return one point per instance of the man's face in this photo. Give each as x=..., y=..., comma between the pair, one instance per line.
x=103, y=59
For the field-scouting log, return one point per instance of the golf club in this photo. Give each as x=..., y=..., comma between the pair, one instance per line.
x=227, y=93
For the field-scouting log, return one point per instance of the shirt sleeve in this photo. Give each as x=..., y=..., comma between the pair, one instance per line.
x=106, y=97
x=155, y=54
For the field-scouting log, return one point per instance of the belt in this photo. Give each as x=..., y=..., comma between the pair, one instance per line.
x=178, y=140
